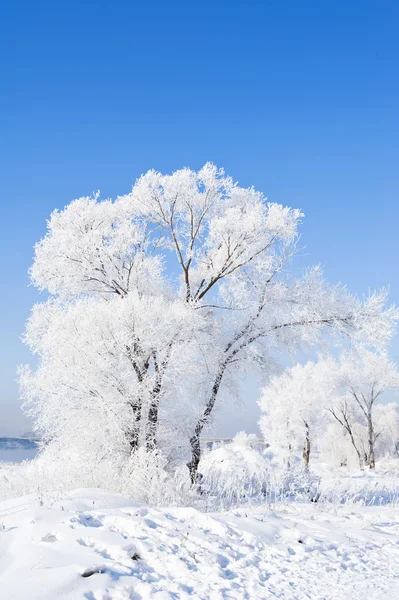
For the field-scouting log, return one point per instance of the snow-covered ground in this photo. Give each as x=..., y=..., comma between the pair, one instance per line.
x=98, y=545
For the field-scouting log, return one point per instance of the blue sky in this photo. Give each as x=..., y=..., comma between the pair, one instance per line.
x=299, y=99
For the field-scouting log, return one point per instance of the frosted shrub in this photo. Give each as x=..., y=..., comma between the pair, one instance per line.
x=235, y=472
x=43, y=479
x=146, y=477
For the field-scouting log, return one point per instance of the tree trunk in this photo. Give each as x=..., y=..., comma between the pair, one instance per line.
x=362, y=461
x=134, y=433
x=306, y=447
x=151, y=437
x=344, y=421
x=195, y=440
x=151, y=434
x=195, y=443
x=371, y=456
x=289, y=456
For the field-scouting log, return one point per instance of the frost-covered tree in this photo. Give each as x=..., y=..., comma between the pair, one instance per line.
x=293, y=407
x=302, y=405
x=114, y=374
x=386, y=424
x=364, y=377
x=347, y=415
x=219, y=253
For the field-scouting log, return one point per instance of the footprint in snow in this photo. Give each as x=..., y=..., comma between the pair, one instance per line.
x=150, y=523
x=222, y=560
x=129, y=550
x=89, y=543
x=94, y=570
x=228, y=574
x=85, y=520
x=50, y=538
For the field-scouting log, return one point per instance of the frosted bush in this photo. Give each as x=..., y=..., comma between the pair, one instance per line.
x=147, y=477
x=235, y=472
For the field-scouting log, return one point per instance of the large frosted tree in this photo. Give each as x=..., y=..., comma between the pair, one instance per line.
x=215, y=254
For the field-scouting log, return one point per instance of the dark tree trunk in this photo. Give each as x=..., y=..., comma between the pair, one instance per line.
x=140, y=371
x=151, y=437
x=134, y=433
x=195, y=440
x=306, y=447
x=195, y=443
x=371, y=456
x=289, y=456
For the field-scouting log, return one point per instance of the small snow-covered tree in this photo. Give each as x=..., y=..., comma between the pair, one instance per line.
x=216, y=252
x=364, y=377
x=293, y=406
x=277, y=424
x=347, y=415
x=386, y=424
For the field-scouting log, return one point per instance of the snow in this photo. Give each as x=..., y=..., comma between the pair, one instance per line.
x=368, y=487
x=94, y=545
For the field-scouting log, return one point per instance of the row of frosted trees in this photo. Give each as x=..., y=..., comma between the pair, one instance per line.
x=337, y=406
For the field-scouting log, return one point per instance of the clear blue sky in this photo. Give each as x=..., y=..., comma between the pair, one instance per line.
x=299, y=99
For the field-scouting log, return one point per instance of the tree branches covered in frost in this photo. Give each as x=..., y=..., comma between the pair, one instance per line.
x=160, y=298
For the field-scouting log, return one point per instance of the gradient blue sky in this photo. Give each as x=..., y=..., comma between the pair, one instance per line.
x=299, y=99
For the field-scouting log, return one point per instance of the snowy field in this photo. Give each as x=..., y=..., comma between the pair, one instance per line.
x=97, y=545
